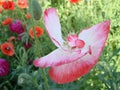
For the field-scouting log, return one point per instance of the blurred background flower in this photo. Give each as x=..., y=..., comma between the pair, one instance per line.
x=7, y=21
x=8, y=5
x=37, y=30
x=7, y=48
x=4, y=67
x=17, y=27
x=22, y=4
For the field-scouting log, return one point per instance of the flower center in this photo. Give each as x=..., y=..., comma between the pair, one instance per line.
x=79, y=43
x=74, y=41
x=7, y=48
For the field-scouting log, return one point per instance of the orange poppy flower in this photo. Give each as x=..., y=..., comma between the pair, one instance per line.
x=8, y=5
x=7, y=21
x=22, y=4
x=38, y=32
x=28, y=16
x=7, y=48
x=1, y=2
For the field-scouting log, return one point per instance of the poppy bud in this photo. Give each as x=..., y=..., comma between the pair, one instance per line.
x=24, y=79
x=36, y=9
x=4, y=67
x=27, y=45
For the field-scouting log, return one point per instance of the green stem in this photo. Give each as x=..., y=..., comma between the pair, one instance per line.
x=43, y=70
x=45, y=79
x=37, y=49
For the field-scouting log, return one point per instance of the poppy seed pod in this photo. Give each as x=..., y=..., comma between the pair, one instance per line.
x=4, y=67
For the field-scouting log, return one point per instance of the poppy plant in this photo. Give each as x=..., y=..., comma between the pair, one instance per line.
x=77, y=55
x=38, y=32
x=7, y=48
x=4, y=67
x=7, y=21
x=8, y=5
x=22, y=4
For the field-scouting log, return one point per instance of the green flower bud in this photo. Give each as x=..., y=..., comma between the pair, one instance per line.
x=35, y=73
x=24, y=80
x=36, y=9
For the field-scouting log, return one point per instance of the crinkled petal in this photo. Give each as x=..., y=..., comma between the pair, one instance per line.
x=53, y=26
x=71, y=71
x=58, y=57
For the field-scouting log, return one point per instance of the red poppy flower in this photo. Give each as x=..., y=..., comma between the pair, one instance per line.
x=28, y=16
x=7, y=21
x=74, y=1
x=22, y=4
x=38, y=32
x=7, y=48
x=8, y=5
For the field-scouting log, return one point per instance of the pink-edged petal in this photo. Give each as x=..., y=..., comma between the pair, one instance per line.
x=69, y=72
x=96, y=34
x=72, y=71
x=58, y=57
x=53, y=26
